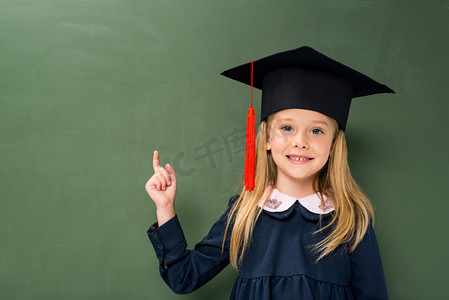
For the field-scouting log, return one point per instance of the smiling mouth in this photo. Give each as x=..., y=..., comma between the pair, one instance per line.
x=299, y=158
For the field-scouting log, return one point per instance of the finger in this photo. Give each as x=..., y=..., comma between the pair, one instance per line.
x=171, y=172
x=152, y=183
x=164, y=173
x=162, y=180
x=156, y=164
x=157, y=183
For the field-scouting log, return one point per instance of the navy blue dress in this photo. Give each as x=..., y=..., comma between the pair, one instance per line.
x=279, y=264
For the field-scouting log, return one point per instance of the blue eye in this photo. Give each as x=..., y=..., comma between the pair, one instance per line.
x=316, y=131
x=286, y=127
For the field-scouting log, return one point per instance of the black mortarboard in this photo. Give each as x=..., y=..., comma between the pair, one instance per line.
x=300, y=78
x=305, y=78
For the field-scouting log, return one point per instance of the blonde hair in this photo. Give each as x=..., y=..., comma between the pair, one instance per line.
x=352, y=209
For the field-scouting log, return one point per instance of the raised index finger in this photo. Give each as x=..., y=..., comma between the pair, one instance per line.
x=156, y=164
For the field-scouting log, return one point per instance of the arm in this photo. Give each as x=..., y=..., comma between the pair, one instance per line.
x=183, y=270
x=186, y=270
x=368, y=281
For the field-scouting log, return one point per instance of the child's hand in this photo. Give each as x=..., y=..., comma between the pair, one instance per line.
x=162, y=185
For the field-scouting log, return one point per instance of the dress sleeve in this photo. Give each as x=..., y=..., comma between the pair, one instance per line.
x=368, y=281
x=185, y=270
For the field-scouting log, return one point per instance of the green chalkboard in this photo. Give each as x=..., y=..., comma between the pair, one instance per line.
x=89, y=89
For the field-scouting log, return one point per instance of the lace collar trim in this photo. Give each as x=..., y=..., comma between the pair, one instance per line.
x=279, y=202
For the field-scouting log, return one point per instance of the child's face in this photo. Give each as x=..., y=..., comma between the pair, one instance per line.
x=300, y=133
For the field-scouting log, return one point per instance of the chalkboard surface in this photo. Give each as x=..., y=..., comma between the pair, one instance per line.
x=89, y=89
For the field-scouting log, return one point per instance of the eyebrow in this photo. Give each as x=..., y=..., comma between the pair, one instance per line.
x=313, y=121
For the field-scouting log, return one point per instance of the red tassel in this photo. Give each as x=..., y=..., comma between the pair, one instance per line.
x=250, y=149
x=250, y=153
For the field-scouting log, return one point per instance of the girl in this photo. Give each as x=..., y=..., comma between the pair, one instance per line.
x=301, y=228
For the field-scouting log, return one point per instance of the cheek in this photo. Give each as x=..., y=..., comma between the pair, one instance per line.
x=277, y=149
x=279, y=145
x=325, y=148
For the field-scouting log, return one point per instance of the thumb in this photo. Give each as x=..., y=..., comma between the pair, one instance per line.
x=171, y=172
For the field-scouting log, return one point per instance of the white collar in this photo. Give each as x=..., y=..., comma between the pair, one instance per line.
x=278, y=202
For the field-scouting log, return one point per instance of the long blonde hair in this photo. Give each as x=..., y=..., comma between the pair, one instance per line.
x=351, y=217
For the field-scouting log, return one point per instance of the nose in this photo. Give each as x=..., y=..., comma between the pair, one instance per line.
x=300, y=141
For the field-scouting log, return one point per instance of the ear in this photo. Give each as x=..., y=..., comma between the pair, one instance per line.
x=268, y=146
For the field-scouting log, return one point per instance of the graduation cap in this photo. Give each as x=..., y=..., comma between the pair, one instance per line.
x=300, y=78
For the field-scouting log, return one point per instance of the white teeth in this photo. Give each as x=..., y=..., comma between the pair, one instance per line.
x=296, y=158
